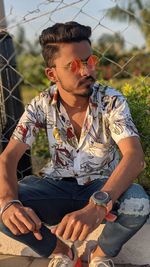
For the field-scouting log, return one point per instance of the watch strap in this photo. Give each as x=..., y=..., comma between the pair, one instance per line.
x=110, y=217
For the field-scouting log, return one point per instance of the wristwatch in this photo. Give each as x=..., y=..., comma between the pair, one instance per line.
x=102, y=199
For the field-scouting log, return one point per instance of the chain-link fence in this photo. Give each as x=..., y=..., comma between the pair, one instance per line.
x=118, y=28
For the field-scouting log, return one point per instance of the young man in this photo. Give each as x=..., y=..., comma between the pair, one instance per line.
x=85, y=182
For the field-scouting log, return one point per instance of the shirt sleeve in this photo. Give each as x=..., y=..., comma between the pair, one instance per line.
x=121, y=124
x=31, y=121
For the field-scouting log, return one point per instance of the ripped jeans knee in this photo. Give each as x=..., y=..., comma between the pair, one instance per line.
x=133, y=208
x=134, y=205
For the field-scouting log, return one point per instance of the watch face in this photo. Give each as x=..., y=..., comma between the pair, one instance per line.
x=101, y=196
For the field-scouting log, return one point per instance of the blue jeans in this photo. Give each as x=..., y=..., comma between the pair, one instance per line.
x=52, y=200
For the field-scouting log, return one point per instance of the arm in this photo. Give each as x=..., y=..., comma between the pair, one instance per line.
x=17, y=218
x=8, y=165
x=130, y=166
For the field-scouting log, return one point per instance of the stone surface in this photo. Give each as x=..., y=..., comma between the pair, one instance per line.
x=14, y=261
x=136, y=251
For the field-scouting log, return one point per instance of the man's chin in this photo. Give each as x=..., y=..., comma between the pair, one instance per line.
x=85, y=91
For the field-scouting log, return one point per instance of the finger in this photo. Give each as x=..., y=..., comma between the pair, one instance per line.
x=37, y=235
x=23, y=217
x=69, y=229
x=24, y=230
x=61, y=226
x=37, y=223
x=12, y=227
x=76, y=232
x=20, y=226
x=84, y=233
x=32, y=215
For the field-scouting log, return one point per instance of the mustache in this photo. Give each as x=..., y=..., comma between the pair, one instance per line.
x=88, y=78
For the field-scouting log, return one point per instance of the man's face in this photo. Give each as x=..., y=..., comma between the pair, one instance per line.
x=68, y=75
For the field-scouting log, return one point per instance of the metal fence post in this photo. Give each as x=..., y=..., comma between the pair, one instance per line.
x=10, y=80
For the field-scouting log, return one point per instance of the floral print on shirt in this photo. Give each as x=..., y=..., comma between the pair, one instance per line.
x=95, y=155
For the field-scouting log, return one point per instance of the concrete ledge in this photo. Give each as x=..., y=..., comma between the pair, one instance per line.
x=22, y=261
x=136, y=251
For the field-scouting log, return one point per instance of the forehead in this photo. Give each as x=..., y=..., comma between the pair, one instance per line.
x=70, y=51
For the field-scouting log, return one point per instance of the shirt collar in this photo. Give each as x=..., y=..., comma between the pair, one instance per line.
x=93, y=99
x=55, y=94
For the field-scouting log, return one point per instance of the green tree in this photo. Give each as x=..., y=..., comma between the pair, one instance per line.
x=20, y=41
x=111, y=42
x=135, y=11
x=25, y=46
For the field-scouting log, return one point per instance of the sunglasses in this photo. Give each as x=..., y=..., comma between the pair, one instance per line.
x=77, y=64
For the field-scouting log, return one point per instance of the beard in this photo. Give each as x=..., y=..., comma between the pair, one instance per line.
x=83, y=88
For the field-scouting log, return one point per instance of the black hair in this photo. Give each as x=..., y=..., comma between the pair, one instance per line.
x=68, y=32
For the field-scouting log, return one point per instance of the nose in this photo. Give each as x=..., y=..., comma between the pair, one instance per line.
x=85, y=70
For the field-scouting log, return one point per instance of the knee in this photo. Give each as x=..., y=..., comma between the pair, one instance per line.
x=134, y=202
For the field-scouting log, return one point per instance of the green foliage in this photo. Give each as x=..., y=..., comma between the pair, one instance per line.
x=23, y=46
x=32, y=69
x=137, y=92
x=113, y=43
x=135, y=11
x=139, y=101
x=40, y=147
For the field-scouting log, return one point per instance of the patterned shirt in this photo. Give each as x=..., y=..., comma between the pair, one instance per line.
x=95, y=155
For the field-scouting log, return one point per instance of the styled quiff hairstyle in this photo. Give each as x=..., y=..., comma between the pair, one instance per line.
x=69, y=32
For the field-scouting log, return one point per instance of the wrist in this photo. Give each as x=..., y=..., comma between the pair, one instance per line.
x=102, y=199
x=8, y=204
x=99, y=208
x=5, y=200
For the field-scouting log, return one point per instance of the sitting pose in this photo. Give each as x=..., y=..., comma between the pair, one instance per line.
x=95, y=154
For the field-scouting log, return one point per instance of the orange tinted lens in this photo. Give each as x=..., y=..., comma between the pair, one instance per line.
x=93, y=61
x=75, y=65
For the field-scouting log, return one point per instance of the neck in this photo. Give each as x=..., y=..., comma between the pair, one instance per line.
x=70, y=101
x=75, y=105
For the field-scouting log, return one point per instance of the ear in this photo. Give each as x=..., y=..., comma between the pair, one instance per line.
x=50, y=73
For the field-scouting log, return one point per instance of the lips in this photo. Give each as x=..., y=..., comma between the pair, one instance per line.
x=87, y=80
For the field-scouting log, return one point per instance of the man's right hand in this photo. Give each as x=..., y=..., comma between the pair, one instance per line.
x=22, y=220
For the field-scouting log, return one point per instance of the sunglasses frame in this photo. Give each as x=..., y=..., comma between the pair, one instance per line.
x=77, y=64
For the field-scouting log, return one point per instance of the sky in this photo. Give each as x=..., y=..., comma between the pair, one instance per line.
x=35, y=15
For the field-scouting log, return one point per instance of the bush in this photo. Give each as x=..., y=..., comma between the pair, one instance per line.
x=139, y=101
x=137, y=92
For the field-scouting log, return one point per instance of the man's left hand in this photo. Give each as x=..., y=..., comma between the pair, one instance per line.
x=78, y=224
